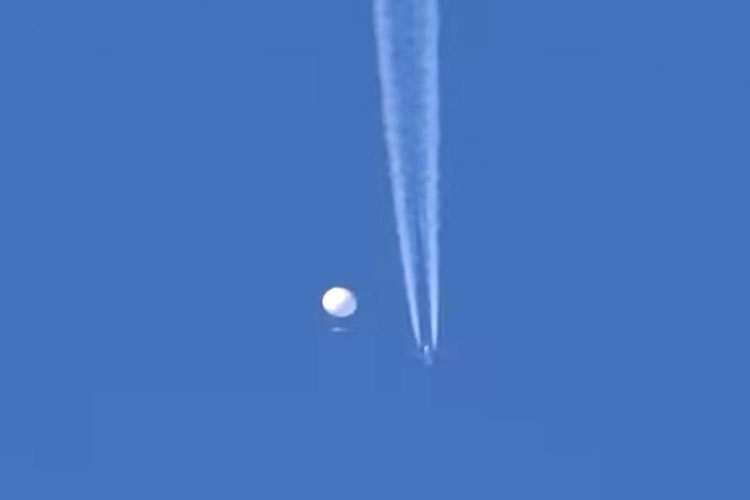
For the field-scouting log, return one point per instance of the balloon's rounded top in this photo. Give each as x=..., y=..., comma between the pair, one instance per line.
x=339, y=302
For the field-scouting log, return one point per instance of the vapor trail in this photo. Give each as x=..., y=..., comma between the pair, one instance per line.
x=407, y=43
x=432, y=134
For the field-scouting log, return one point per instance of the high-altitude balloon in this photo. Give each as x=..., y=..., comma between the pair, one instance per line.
x=339, y=302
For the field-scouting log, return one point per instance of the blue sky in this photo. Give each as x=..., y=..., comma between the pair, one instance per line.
x=180, y=182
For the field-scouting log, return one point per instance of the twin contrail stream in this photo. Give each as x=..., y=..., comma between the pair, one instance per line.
x=407, y=33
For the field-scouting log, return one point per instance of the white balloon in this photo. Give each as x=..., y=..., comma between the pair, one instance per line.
x=339, y=302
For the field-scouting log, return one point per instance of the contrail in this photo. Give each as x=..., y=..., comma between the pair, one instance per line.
x=431, y=199
x=407, y=43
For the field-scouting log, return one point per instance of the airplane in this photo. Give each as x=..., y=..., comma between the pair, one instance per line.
x=427, y=354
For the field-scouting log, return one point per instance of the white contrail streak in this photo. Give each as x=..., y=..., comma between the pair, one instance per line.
x=392, y=121
x=407, y=44
x=432, y=134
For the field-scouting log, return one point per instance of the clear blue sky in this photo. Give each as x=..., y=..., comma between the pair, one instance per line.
x=180, y=182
